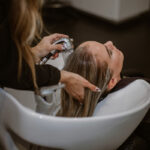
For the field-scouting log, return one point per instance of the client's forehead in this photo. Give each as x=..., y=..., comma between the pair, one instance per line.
x=96, y=49
x=91, y=44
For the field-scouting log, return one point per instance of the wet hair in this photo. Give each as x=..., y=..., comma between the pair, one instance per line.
x=25, y=24
x=82, y=62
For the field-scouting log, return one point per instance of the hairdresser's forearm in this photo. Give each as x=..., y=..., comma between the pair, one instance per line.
x=46, y=75
x=64, y=76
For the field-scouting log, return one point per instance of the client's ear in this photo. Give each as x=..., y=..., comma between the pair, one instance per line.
x=112, y=83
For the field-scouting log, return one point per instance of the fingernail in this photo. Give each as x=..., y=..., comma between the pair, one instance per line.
x=98, y=89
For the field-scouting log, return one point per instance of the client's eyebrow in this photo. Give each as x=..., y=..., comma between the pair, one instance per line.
x=108, y=51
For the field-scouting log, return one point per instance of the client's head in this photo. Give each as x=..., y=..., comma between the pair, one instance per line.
x=100, y=64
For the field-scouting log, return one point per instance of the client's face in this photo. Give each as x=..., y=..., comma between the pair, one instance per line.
x=107, y=52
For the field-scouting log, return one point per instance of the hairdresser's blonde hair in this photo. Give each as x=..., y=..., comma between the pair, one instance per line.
x=25, y=24
x=85, y=64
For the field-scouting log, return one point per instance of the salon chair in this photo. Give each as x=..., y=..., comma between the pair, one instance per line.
x=113, y=121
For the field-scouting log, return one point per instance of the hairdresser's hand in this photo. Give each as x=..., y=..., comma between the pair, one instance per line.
x=46, y=45
x=75, y=84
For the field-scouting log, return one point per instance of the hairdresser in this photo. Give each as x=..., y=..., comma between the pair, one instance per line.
x=20, y=24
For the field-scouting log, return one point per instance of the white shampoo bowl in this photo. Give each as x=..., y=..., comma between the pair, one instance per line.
x=115, y=118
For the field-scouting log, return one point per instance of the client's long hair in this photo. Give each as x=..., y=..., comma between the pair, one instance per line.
x=85, y=64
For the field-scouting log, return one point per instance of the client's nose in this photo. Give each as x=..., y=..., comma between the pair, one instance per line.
x=109, y=43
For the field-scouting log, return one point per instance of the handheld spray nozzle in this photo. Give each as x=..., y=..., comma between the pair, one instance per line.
x=68, y=47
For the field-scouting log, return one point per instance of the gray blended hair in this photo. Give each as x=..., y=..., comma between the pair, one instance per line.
x=82, y=62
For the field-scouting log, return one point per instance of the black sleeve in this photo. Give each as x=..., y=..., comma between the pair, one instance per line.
x=46, y=75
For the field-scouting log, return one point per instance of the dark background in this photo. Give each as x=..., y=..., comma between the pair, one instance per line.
x=131, y=36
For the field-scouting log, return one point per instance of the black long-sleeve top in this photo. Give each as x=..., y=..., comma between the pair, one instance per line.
x=46, y=75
